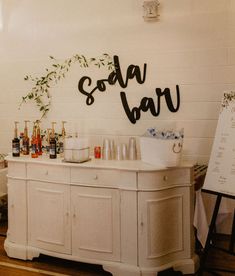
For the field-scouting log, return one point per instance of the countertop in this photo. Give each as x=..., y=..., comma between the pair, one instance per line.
x=129, y=165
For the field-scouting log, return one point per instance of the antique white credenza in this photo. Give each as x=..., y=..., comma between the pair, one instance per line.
x=130, y=217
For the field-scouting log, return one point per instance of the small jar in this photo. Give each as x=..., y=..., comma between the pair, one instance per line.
x=97, y=152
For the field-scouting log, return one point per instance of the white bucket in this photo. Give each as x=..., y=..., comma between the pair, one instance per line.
x=161, y=152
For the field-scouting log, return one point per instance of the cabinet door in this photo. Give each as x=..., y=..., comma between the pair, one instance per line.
x=96, y=223
x=17, y=211
x=49, y=222
x=164, y=226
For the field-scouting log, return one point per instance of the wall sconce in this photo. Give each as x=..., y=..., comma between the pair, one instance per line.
x=150, y=9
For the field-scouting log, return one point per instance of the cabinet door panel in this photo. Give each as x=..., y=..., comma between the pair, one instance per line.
x=49, y=220
x=17, y=211
x=164, y=221
x=96, y=223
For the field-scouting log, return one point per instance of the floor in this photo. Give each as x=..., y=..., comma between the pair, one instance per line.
x=220, y=259
x=45, y=265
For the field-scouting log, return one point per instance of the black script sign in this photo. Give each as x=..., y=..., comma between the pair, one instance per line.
x=148, y=104
x=133, y=71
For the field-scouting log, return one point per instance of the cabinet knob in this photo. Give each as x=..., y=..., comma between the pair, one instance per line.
x=46, y=173
x=95, y=177
x=165, y=177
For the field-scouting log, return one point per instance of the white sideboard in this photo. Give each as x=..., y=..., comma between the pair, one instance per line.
x=132, y=218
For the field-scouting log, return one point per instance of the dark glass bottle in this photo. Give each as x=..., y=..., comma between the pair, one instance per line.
x=39, y=138
x=16, y=143
x=53, y=149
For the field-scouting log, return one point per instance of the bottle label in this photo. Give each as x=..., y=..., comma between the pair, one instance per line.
x=61, y=147
x=15, y=148
x=53, y=149
x=34, y=148
x=25, y=147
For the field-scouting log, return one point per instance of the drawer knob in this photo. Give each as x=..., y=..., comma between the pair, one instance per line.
x=46, y=173
x=96, y=177
x=165, y=177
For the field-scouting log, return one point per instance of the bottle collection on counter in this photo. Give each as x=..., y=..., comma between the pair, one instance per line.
x=70, y=148
x=47, y=142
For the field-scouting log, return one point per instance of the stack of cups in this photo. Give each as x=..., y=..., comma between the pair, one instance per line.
x=121, y=152
x=112, y=148
x=132, y=149
x=106, y=150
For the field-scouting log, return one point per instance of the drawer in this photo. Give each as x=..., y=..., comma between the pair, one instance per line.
x=58, y=174
x=103, y=178
x=165, y=179
x=16, y=170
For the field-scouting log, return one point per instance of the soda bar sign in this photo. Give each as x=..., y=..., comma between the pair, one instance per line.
x=147, y=104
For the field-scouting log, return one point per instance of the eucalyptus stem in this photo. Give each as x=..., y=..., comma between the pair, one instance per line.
x=40, y=92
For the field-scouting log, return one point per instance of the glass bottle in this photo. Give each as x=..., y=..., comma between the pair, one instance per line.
x=63, y=134
x=39, y=138
x=25, y=142
x=16, y=143
x=52, y=153
x=34, y=143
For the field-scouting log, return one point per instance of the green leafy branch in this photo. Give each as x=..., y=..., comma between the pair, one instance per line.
x=40, y=92
x=227, y=99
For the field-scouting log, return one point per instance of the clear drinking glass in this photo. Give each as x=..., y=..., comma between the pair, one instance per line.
x=132, y=149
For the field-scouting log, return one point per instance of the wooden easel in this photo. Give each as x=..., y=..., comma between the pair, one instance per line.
x=210, y=234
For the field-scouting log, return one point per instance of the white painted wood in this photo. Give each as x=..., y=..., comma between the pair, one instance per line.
x=17, y=210
x=96, y=223
x=136, y=230
x=49, y=220
x=16, y=250
x=93, y=176
x=48, y=173
x=163, y=223
x=103, y=178
x=129, y=227
x=164, y=179
x=17, y=169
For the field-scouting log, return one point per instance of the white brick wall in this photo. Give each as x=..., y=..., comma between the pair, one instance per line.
x=192, y=45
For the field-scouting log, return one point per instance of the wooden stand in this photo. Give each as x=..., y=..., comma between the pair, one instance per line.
x=210, y=234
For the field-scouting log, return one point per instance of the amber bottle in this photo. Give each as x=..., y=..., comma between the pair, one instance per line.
x=39, y=139
x=25, y=142
x=61, y=144
x=34, y=143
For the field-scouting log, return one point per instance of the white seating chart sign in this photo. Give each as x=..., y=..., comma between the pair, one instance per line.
x=220, y=175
